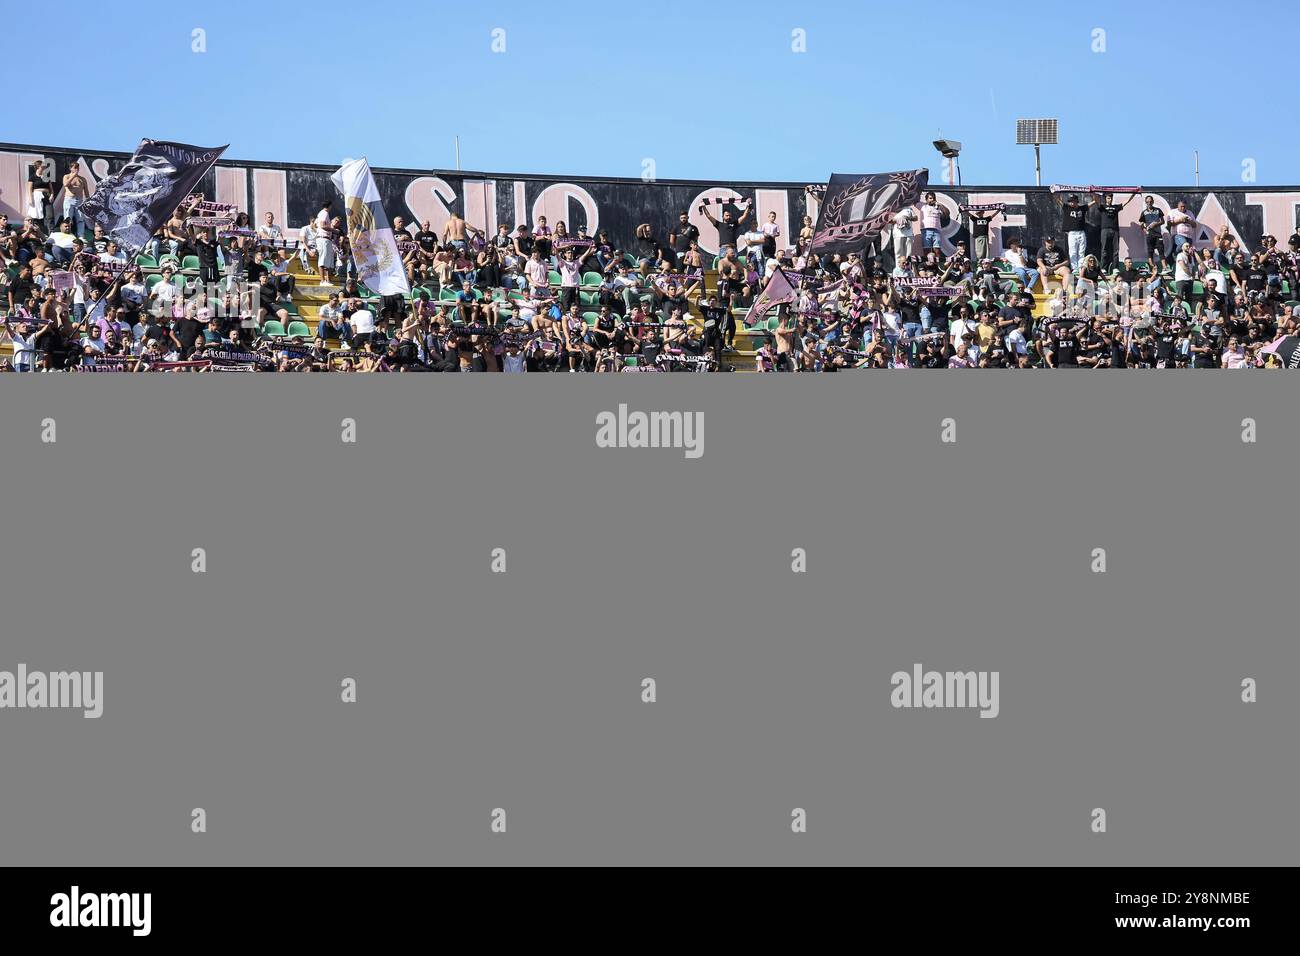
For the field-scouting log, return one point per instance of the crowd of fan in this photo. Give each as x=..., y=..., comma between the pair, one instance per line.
x=543, y=299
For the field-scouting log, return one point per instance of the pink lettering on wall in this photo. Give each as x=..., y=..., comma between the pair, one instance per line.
x=270, y=194
x=555, y=203
x=427, y=199
x=1279, y=212
x=232, y=187
x=481, y=204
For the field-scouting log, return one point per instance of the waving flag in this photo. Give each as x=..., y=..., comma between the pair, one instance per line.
x=379, y=264
x=779, y=290
x=856, y=209
x=1287, y=350
x=133, y=202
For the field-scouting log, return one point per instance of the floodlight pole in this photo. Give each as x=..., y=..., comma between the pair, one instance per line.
x=1038, y=164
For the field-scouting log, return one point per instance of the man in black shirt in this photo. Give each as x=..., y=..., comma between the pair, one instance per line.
x=1072, y=224
x=1109, y=212
x=978, y=225
x=1063, y=334
x=683, y=234
x=1052, y=262
x=205, y=245
x=1207, y=346
x=1153, y=224
x=728, y=228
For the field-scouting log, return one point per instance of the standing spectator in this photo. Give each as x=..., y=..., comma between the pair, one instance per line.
x=932, y=216
x=729, y=227
x=1153, y=224
x=1109, y=213
x=904, y=240
x=978, y=224
x=75, y=191
x=681, y=237
x=39, y=180
x=205, y=246
x=1184, y=272
x=1072, y=224
x=1184, y=225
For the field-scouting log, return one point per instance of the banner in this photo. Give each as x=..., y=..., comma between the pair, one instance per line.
x=856, y=209
x=779, y=290
x=141, y=196
x=374, y=250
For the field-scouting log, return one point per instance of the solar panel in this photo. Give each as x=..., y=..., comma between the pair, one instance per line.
x=1034, y=132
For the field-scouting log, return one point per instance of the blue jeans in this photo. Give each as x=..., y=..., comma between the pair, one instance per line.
x=72, y=210
x=929, y=238
x=1026, y=276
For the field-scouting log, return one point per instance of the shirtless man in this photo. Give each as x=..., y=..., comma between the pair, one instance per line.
x=175, y=233
x=75, y=191
x=675, y=330
x=457, y=231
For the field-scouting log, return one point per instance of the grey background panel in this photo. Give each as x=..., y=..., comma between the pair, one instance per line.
x=522, y=691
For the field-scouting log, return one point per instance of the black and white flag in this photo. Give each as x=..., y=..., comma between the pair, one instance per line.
x=133, y=202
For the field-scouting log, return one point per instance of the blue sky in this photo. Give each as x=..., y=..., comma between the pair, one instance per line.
x=682, y=82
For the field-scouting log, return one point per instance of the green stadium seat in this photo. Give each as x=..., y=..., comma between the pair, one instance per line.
x=588, y=298
x=447, y=295
x=289, y=306
x=592, y=279
x=151, y=281
x=146, y=262
x=272, y=327
x=553, y=277
x=590, y=317
x=190, y=263
x=299, y=329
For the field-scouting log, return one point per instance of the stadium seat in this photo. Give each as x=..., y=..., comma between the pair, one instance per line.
x=272, y=327
x=151, y=281
x=289, y=306
x=146, y=262
x=588, y=298
x=299, y=329
x=447, y=295
x=592, y=279
x=553, y=277
x=167, y=257
x=590, y=317
x=190, y=263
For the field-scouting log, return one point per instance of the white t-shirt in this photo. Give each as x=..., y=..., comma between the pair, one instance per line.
x=363, y=321
x=903, y=220
x=1182, y=267
x=24, y=354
